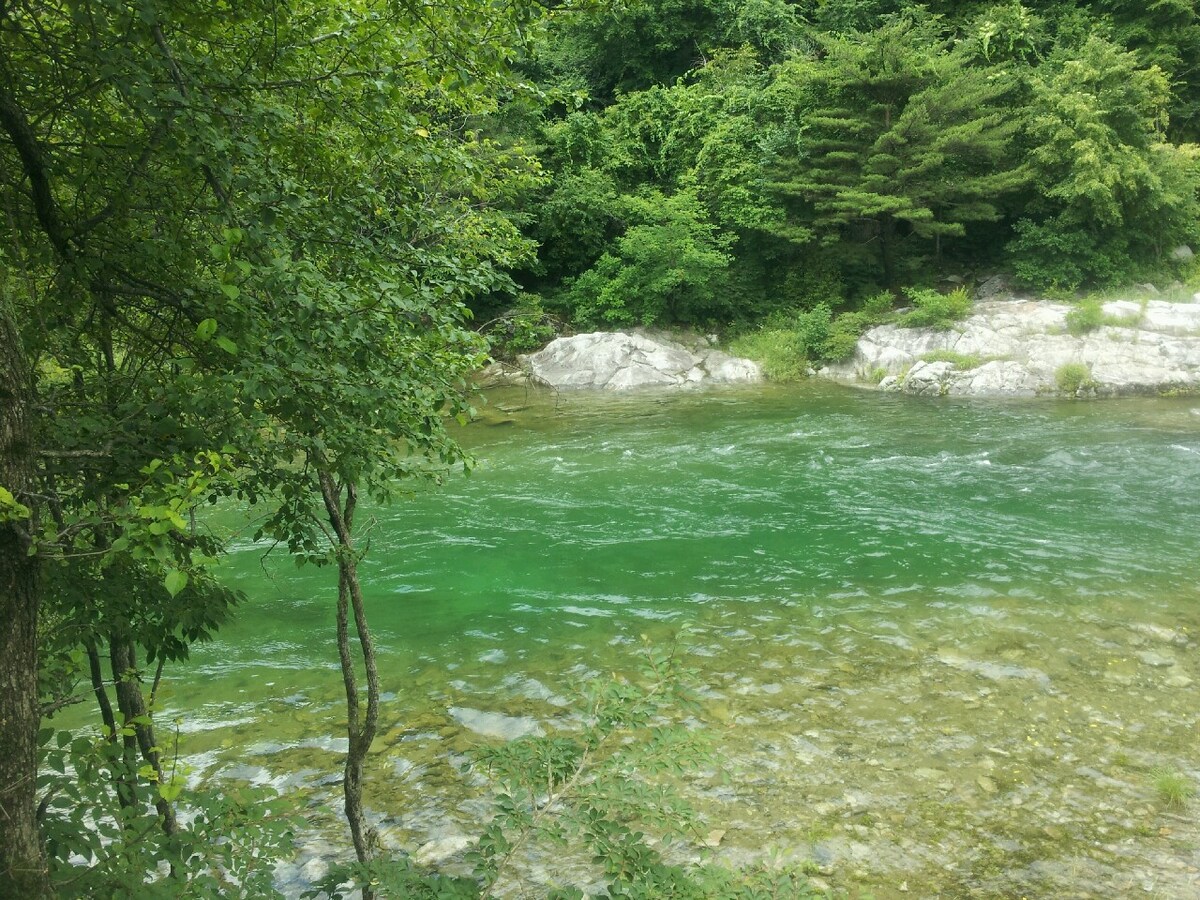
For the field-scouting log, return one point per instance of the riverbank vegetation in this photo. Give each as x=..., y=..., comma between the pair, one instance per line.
x=242, y=245
x=729, y=163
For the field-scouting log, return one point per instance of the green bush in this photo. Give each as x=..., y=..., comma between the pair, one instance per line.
x=1174, y=788
x=525, y=327
x=1072, y=377
x=878, y=308
x=670, y=266
x=1062, y=254
x=779, y=352
x=813, y=329
x=1087, y=316
x=961, y=360
x=843, y=335
x=936, y=310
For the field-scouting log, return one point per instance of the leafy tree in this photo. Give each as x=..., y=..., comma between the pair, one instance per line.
x=667, y=267
x=1113, y=192
x=897, y=137
x=629, y=47
x=578, y=220
x=240, y=239
x=1165, y=34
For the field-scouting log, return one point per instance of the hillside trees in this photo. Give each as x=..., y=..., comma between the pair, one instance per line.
x=872, y=143
x=897, y=138
x=1113, y=193
x=237, y=243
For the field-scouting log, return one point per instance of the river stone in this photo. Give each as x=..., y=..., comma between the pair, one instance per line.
x=620, y=360
x=1154, y=349
x=928, y=379
x=993, y=288
x=440, y=850
x=1182, y=253
x=996, y=377
x=314, y=870
x=495, y=725
x=1158, y=660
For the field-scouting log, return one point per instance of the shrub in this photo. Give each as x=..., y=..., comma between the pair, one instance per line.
x=1087, y=316
x=670, y=266
x=878, y=307
x=790, y=340
x=843, y=335
x=813, y=329
x=779, y=352
x=1174, y=788
x=525, y=327
x=936, y=310
x=1073, y=377
x=1062, y=254
x=961, y=360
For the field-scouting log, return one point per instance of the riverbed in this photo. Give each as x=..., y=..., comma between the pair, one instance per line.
x=947, y=647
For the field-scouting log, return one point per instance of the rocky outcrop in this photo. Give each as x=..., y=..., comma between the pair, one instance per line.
x=621, y=360
x=1017, y=347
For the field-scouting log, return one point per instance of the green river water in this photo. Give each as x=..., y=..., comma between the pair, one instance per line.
x=946, y=644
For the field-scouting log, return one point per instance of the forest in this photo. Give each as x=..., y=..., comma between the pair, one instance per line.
x=252, y=254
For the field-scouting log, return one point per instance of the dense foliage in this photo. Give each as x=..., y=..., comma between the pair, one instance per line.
x=719, y=162
x=241, y=244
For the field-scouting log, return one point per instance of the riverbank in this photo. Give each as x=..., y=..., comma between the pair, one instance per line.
x=1008, y=346
x=1027, y=347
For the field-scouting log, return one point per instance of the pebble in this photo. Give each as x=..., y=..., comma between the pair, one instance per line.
x=989, y=786
x=314, y=870
x=1152, y=658
x=442, y=849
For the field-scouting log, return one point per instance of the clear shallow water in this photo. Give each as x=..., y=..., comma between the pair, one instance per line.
x=945, y=642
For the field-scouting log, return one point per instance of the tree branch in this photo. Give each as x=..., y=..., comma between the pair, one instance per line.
x=181, y=84
x=24, y=140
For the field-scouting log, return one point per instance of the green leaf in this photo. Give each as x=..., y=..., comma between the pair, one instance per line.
x=227, y=345
x=206, y=329
x=175, y=581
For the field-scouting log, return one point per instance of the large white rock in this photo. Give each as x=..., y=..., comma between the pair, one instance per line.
x=620, y=360
x=1024, y=342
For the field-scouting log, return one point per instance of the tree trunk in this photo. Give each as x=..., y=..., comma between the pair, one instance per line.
x=887, y=251
x=22, y=858
x=136, y=715
x=360, y=727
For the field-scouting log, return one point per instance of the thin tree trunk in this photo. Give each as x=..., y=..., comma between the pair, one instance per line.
x=361, y=727
x=887, y=251
x=23, y=871
x=136, y=715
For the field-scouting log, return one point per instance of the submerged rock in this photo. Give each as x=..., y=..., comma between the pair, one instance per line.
x=1017, y=347
x=495, y=725
x=619, y=360
x=439, y=850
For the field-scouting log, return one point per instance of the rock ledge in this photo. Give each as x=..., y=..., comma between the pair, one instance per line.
x=1022, y=346
x=622, y=360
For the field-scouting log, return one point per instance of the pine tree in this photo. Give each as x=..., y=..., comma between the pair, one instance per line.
x=898, y=136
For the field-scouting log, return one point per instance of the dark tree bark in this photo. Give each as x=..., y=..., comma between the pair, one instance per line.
x=887, y=251
x=136, y=715
x=23, y=870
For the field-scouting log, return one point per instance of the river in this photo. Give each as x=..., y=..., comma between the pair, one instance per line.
x=946, y=645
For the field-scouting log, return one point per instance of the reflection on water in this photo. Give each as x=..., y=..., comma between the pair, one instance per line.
x=944, y=643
